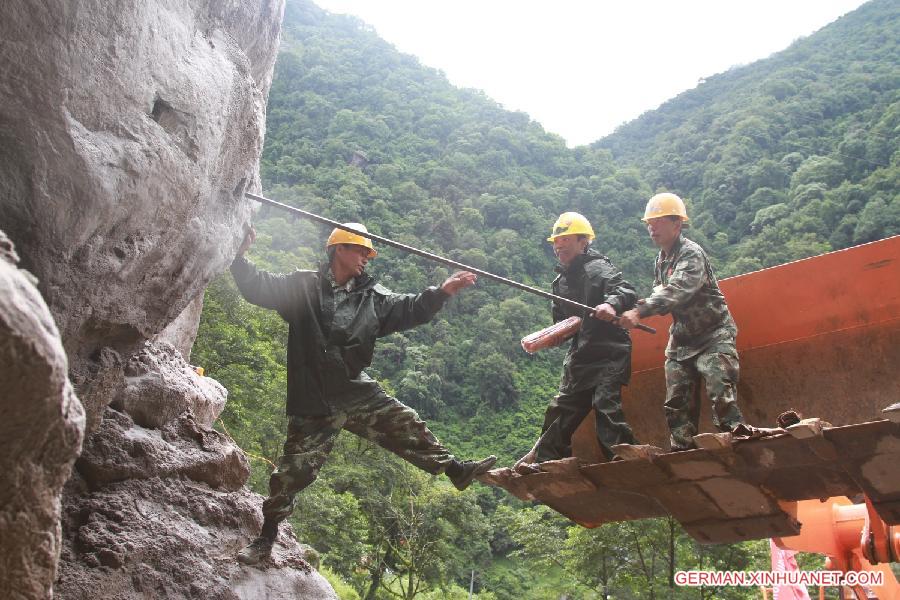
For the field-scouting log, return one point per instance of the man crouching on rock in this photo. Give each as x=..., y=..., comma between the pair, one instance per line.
x=335, y=315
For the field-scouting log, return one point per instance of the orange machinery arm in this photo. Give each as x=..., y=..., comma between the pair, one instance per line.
x=852, y=536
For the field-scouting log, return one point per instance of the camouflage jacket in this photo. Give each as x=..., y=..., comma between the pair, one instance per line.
x=600, y=350
x=331, y=330
x=686, y=286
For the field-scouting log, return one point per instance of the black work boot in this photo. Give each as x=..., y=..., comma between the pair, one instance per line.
x=261, y=548
x=463, y=473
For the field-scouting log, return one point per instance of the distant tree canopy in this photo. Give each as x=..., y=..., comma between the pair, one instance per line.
x=801, y=146
x=787, y=157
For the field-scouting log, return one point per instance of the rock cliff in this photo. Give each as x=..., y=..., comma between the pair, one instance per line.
x=41, y=427
x=129, y=133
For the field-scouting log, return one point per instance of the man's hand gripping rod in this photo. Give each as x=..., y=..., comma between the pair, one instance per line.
x=434, y=257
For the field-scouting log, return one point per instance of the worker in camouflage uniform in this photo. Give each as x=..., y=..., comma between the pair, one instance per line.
x=598, y=363
x=702, y=336
x=335, y=315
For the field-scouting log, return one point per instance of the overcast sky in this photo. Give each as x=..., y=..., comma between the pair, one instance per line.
x=581, y=68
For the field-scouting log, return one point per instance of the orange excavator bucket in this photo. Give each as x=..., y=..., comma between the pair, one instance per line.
x=820, y=336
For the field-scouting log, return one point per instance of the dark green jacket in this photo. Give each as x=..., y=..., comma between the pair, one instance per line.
x=686, y=286
x=600, y=351
x=330, y=343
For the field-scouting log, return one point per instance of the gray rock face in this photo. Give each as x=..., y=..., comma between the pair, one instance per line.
x=128, y=135
x=160, y=386
x=174, y=538
x=182, y=332
x=41, y=427
x=129, y=132
x=122, y=450
x=161, y=513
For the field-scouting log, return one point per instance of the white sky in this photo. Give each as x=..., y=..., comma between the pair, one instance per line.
x=583, y=67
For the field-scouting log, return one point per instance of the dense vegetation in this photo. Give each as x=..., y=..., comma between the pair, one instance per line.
x=790, y=156
x=781, y=159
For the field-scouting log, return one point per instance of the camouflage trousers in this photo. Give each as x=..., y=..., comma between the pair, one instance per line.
x=379, y=418
x=567, y=411
x=719, y=368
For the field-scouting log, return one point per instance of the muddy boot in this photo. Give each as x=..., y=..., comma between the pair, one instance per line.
x=463, y=473
x=528, y=468
x=261, y=548
x=526, y=461
x=528, y=465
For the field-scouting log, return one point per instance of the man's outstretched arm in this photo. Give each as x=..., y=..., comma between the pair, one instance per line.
x=268, y=290
x=399, y=312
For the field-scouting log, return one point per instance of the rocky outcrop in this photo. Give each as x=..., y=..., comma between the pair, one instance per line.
x=160, y=386
x=129, y=133
x=123, y=450
x=181, y=332
x=41, y=426
x=161, y=513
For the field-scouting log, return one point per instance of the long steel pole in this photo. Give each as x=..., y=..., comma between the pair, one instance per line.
x=430, y=256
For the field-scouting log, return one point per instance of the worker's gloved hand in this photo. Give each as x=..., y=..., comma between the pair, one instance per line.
x=458, y=281
x=605, y=312
x=249, y=238
x=629, y=319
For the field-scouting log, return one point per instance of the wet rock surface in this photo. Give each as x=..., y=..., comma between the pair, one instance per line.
x=41, y=428
x=160, y=385
x=174, y=538
x=122, y=450
x=162, y=513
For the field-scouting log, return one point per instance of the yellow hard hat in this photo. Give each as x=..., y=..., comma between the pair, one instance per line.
x=339, y=236
x=571, y=223
x=665, y=204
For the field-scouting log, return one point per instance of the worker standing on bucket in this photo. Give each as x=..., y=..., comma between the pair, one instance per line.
x=598, y=363
x=702, y=336
x=335, y=315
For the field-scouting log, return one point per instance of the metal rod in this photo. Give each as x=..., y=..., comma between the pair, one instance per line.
x=433, y=257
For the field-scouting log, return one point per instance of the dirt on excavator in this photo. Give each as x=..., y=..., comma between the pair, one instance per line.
x=820, y=336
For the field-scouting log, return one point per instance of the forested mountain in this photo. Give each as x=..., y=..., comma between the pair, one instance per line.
x=784, y=158
x=789, y=156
